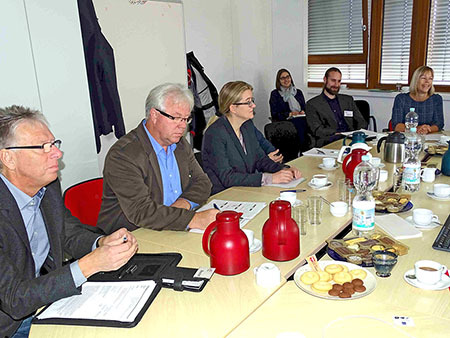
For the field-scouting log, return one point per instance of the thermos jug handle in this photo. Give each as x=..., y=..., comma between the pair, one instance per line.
x=206, y=234
x=380, y=141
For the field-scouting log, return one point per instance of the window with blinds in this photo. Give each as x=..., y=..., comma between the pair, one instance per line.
x=438, y=54
x=335, y=27
x=396, y=41
x=351, y=73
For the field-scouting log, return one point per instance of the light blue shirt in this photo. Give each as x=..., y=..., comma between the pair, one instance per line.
x=168, y=167
x=36, y=231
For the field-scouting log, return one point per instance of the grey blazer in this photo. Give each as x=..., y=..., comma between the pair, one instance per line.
x=21, y=293
x=133, y=190
x=225, y=161
x=321, y=122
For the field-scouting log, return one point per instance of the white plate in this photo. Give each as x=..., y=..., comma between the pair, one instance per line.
x=432, y=225
x=370, y=281
x=256, y=246
x=443, y=284
x=320, y=188
x=296, y=204
x=433, y=196
x=321, y=166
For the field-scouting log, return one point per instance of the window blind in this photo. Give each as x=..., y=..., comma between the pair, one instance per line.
x=351, y=73
x=438, y=56
x=335, y=27
x=396, y=41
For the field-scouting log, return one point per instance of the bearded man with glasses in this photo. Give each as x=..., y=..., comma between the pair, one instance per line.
x=151, y=177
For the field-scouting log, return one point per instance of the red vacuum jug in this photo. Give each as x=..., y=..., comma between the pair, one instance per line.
x=280, y=235
x=351, y=161
x=228, y=247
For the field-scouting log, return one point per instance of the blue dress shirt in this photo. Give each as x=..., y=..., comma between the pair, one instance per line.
x=168, y=167
x=36, y=229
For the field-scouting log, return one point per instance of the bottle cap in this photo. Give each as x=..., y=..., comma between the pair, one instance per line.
x=413, y=129
x=412, y=109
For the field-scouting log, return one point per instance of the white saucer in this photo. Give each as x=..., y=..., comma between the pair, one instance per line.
x=443, y=284
x=320, y=188
x=433, y=196
x=381, y=165
x=296, y=204
x=256, y=246
x=321, y=166
x=432, y=225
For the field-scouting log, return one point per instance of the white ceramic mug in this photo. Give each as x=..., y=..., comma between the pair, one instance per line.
x=376, y=161
x=428, y=174
x=267, y=275
x=424, y=216
x=319, y=180
x=250, y=236
x=383, y=176
x=328, y=162
x=429, y=272
x=441, y=190
x=289, y=196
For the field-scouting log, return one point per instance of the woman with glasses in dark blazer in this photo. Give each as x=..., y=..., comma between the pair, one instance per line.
x=231, y=153
x=288, y=103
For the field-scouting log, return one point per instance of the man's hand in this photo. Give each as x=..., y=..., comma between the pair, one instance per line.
x=112, y=253
x=424, y=129
x=286, y=175
x=182, y=204
x=203, y=218
x=276, y=156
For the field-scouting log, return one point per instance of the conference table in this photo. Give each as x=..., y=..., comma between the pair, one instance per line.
x=237, y=306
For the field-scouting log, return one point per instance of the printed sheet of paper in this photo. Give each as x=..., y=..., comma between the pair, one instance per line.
x=291, y=184
x=119, y=301
x=321, y=152
x=369, y=133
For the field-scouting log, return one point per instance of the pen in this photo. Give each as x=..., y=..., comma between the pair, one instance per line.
x=320, y=151
x=129, y=270
x=295, y=190
x=125, y=239
x=216, y=206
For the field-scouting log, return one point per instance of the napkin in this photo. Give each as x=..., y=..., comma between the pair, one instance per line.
x=397, y=227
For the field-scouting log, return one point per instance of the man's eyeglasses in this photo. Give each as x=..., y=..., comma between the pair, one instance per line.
x=175, y=118
x=248, y=103
x=46, y=146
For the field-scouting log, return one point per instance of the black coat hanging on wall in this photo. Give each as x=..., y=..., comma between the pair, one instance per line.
x=101, y=74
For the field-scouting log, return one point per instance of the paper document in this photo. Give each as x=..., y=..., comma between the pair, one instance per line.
x=322, y=152
x=433, y=137
x=369, y=133
x=119, y=301
x=291, y=184
x=397, y=227
x=248, y=209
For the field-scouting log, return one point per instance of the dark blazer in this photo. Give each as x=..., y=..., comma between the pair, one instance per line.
x=133, y=191
x=279, y=109
x=225, y=162
x=21, y=293
x=321, y=122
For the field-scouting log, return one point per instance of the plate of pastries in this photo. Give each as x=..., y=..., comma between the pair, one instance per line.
x=436, y=149
x=391, y=202
x=335, y=280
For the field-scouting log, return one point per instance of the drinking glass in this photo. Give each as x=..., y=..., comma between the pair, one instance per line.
x=315, y=204
x=384, y=262
x=299, y=215
x=346, y=191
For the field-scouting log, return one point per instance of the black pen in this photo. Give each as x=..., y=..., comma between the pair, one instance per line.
x=216, y=206
x=294, y=190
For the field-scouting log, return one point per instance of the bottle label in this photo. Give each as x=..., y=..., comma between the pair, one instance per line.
x=363, y=218
x=411, y=174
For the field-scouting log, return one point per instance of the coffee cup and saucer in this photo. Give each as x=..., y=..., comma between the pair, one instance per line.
x=291, y=197
x=320, y=182
x=254, y=244
x=328, y=163
x=428, y=275
x=441, y=192
x=423, y=219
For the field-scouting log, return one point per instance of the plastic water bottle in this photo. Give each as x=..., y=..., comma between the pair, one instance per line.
x=411, y=164
x=411, y=119
x=364, y=179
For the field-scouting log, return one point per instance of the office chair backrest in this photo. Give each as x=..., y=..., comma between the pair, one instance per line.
x=283, y=136
x=84, y=200
x=364, y=108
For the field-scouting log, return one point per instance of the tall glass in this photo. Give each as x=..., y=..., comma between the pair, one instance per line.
x=346, y=191
x=315, y=204
x=299, y=215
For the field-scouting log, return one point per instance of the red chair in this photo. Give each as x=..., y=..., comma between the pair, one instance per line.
x=84, y=200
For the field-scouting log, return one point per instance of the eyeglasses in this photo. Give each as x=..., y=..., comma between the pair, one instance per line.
x=248, y=103
x=287, y=77
x=46, y=146
x=177, y=119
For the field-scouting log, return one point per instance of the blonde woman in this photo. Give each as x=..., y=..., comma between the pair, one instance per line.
x=231, y=153
x=427, y=104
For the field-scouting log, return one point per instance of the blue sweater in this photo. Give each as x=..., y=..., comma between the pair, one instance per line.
x=430, y=111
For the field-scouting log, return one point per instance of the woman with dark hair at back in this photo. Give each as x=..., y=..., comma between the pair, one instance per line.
x=427, y=104
x=231, y=153
x=288, y=103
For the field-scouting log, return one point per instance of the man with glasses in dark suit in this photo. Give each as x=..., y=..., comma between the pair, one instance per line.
x=151, y=177
x=36, y=229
